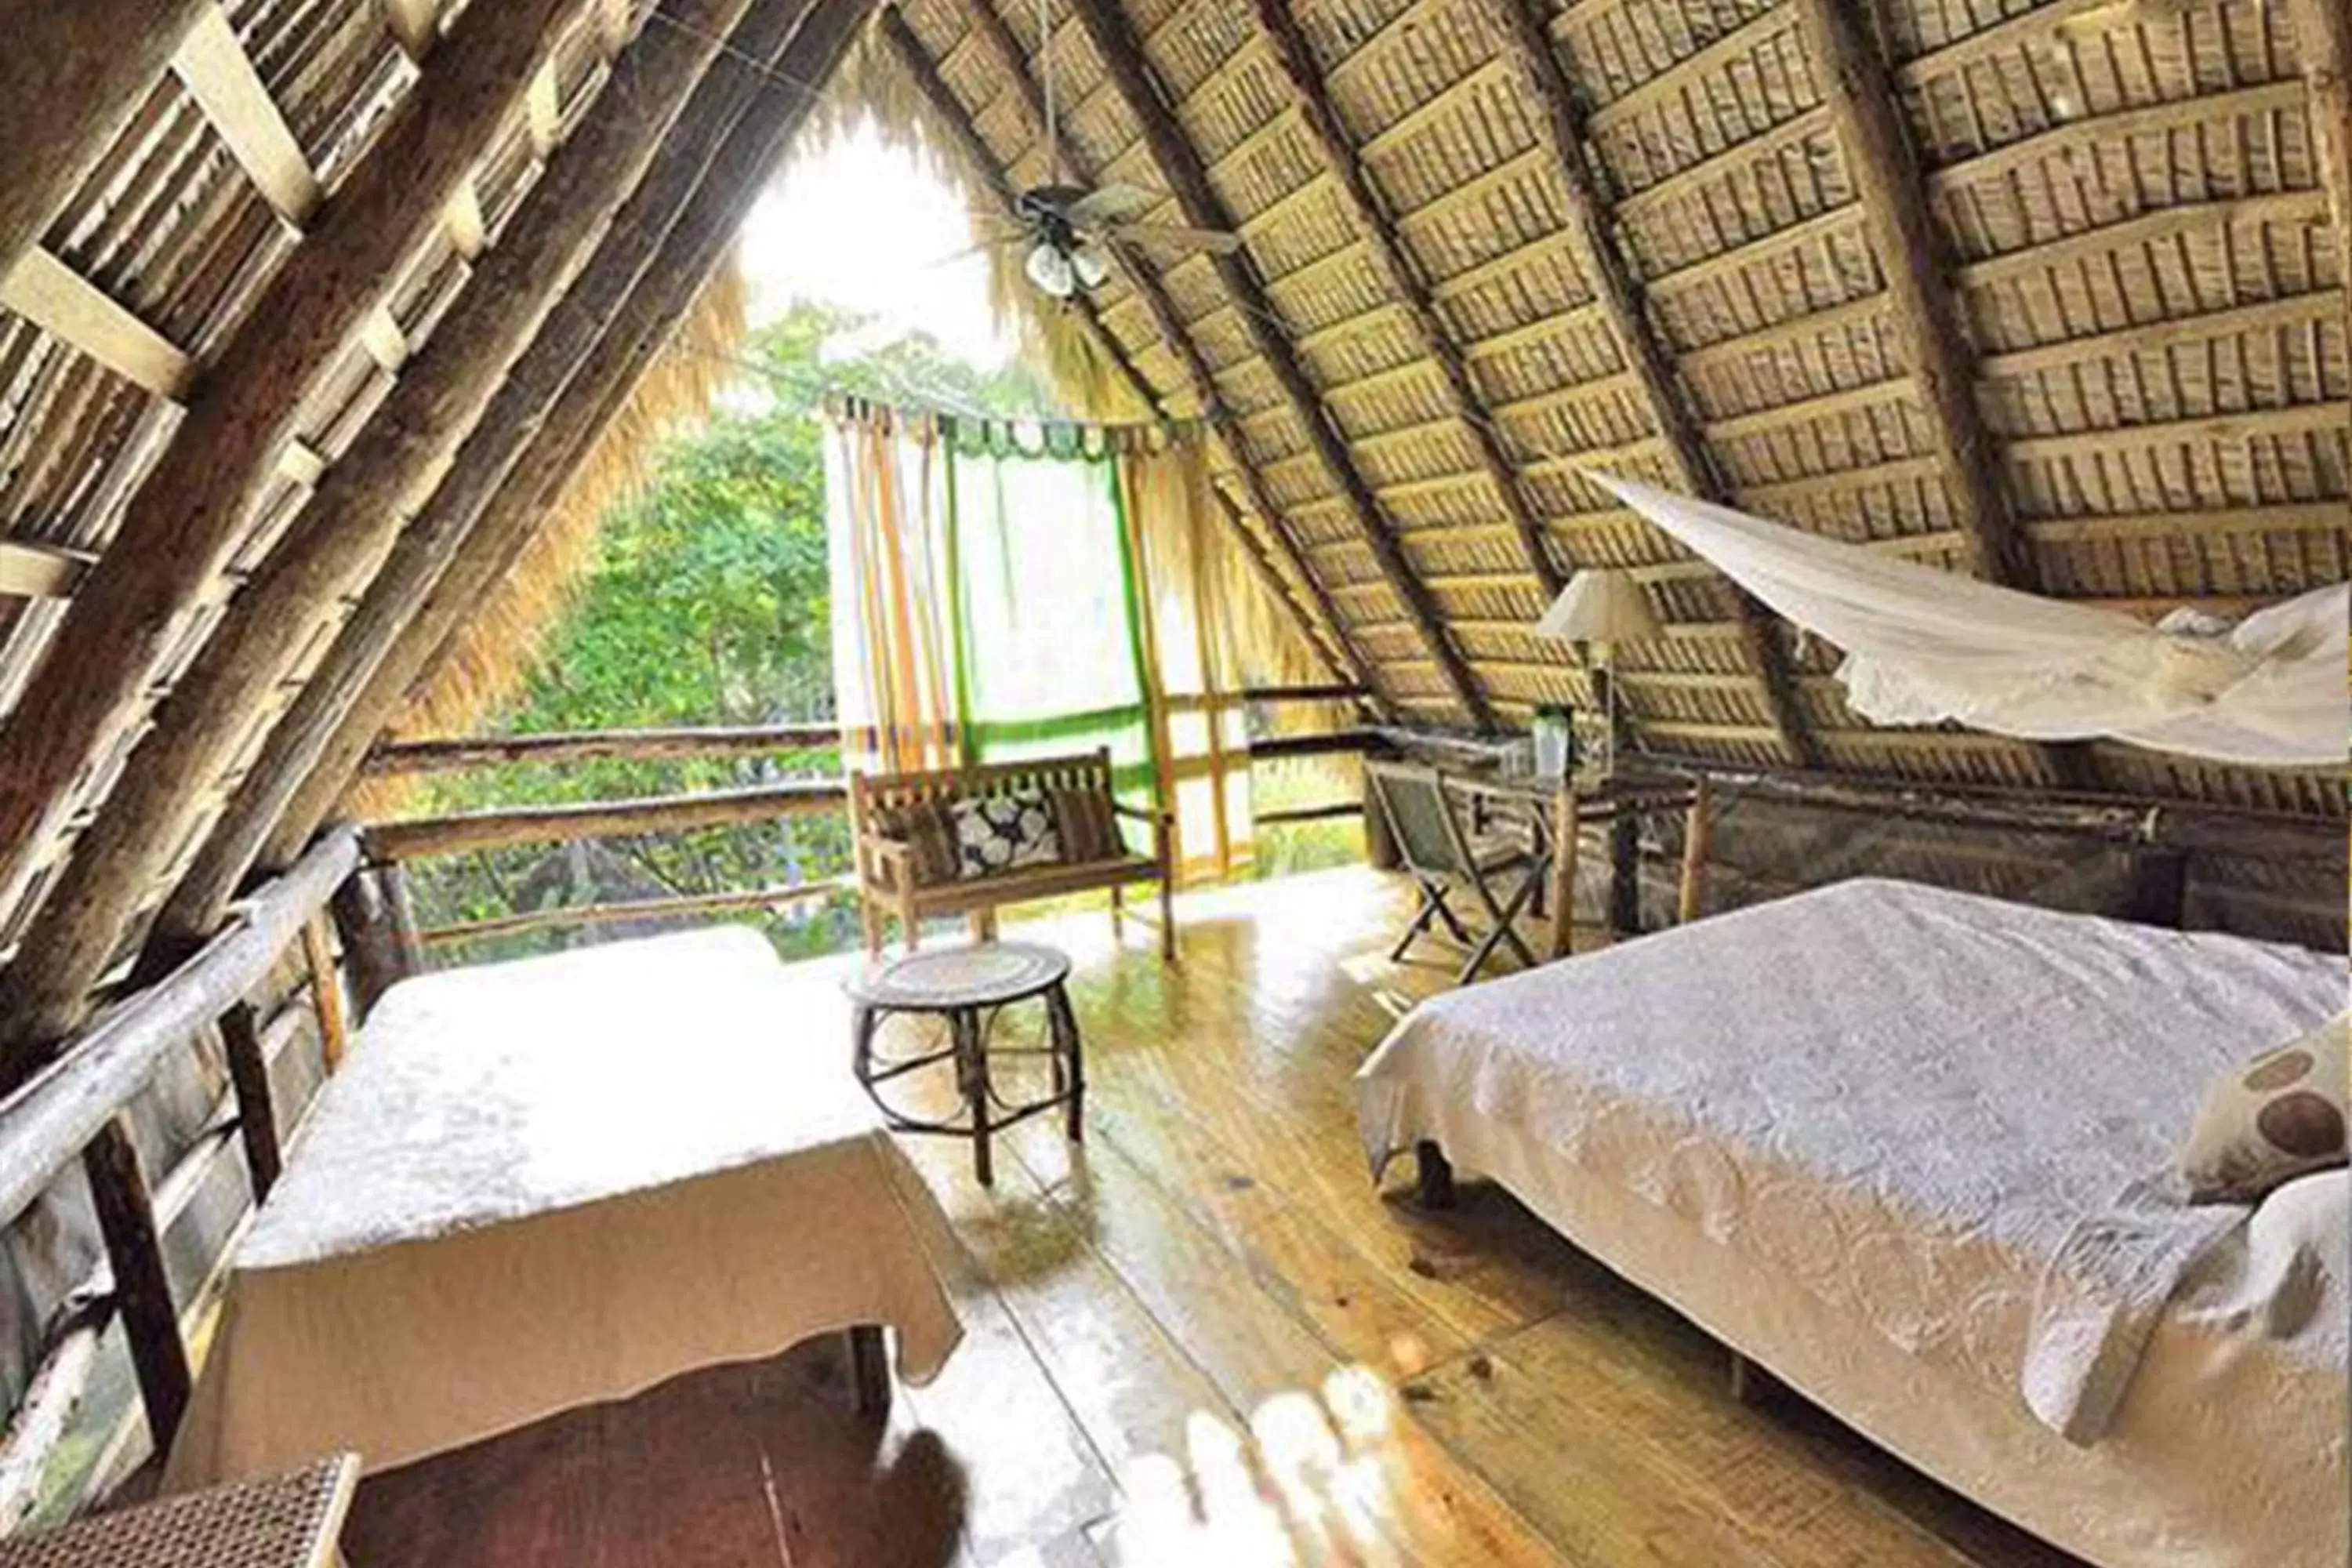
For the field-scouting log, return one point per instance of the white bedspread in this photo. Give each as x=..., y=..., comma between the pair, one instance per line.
x=1949, y=1115
x=542, y=1184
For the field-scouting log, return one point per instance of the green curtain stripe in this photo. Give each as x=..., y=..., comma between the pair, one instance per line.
x=1131, y=593
x=1061, y=727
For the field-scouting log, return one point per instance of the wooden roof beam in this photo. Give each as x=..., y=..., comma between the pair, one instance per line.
x=1331, y=644
x=2323, y=36
x=1179, y=163
x=220, y=77
x=71, y=78
x=1523, y=42
x=649, y=268
x=1296, y=58
x=341, y=533
x=188, y=516
x=1860, y=96
x=69, y=306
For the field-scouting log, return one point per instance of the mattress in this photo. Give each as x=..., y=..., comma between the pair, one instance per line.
x=1909, y=1149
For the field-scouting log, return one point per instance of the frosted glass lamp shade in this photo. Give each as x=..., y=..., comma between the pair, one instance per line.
x=1600, y=604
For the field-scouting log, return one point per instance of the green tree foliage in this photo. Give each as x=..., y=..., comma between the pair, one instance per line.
x=706, y=603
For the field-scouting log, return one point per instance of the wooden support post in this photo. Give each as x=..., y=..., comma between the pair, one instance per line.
x=1340, y=161
x=1866, y=111
x=1698, y=830
x=326, y=992
x=1010, y=60
x=869, y=1372
x=1624, y=873
x=2323, y=38
x=2160, y=888
x=190, y=513
x=343, y=532
x=143, y=1291
x=1433, y=1176
x=554, y=401
x=1179, y=162
x=71, y=78
x=257, y=1106
x=1562, y=892
x=368, y=916
x=1524, y=44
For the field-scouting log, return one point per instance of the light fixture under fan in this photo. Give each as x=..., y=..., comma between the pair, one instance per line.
x=1074, y=235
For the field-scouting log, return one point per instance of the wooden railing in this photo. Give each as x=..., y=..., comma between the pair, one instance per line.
x=77, y=1108
x=389, y=942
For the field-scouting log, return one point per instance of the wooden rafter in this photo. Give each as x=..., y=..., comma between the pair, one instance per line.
x=1523, y=43
x=189, y=514
x=341, y=533
x=1929, y=316
x=71, y=76
x=33, y=571
x=648, y=270
x=1854, y=81
x=1332, y=643
x=2323, y=36
x=1179, y=163
x=1343, y=162
x=69, y=306
x=220, y=77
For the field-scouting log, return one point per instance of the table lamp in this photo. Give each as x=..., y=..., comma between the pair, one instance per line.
x=1601, y=608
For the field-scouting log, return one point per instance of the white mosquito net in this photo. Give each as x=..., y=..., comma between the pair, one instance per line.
x=1922, y=645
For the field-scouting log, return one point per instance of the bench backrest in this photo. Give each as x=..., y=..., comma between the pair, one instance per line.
x=872, y=793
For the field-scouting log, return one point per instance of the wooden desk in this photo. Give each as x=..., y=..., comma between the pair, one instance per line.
x=1554, y=809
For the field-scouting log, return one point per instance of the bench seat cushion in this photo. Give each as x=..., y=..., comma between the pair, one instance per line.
x=1035, y=882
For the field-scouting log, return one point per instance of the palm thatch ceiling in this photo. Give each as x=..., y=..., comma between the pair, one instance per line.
x=2052, y=292
x=309, y=309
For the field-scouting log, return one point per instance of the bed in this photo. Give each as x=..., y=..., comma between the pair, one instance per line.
x=540, y=1184
x=1910, y=1151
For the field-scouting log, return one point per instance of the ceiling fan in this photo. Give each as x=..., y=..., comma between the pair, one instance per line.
x=1073, y=233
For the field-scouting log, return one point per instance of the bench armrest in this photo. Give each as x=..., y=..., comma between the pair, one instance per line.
x=1163, y=831
x=887, y=862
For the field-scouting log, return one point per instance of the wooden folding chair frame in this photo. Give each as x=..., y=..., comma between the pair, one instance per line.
x=1436, y=881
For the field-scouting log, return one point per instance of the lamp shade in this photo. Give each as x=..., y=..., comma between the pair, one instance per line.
x=1600, y=604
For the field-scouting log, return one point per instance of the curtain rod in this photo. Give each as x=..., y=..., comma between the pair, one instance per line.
x=1028, y=435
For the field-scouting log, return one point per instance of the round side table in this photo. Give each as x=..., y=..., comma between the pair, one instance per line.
x=968, y=986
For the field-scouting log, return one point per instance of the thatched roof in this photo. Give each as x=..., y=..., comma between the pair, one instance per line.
x=1499, y=240
x=2055, y=293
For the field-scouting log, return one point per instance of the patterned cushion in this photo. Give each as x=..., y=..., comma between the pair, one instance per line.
x=923, y=827
x=2268, y=1121
x=1089, y=827
x=1003, y=833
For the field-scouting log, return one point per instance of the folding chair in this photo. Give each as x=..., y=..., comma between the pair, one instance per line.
x=1444, y=860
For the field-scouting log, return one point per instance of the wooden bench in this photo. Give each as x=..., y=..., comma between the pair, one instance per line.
x=906, y=852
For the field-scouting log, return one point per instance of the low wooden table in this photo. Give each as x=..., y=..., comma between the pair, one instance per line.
x=969, y=986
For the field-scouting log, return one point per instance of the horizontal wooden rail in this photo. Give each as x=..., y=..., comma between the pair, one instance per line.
x=454, y=753
x=1337, y=692
x=638, y=910
x=1339, y=742
x=2118, y=819
x=505, y=825
x=1284, y=815
x=44, y=1125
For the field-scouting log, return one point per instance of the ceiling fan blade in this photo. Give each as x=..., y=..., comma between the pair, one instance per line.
x=1110, y=204
x=1174, y=235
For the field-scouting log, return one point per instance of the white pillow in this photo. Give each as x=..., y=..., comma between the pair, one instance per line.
x=2271, y=1277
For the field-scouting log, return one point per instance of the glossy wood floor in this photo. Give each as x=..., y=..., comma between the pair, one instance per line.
x=1203, y=1337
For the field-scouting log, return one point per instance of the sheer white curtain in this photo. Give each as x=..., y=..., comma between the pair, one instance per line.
x=1922, y=645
